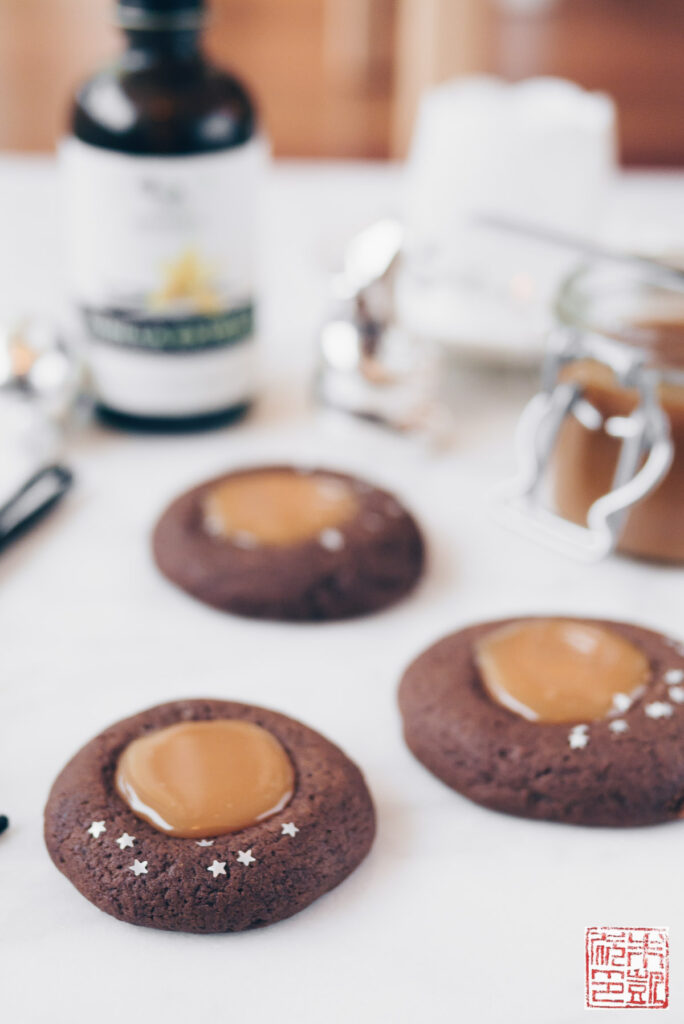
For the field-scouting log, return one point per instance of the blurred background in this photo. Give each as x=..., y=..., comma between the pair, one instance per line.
x=341, y=78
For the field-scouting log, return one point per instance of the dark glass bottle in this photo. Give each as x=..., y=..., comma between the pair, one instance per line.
x=161, y=176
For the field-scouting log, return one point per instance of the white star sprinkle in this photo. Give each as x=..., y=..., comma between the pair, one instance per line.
x=658, y=709
x=125, y=840
x=676, y=693
x=673, y=676
x=205, y=842
x=138, y=867
x=578, y=737
x=245, y=857
x=621, y=702
x=331, y=539
x=97, y=828
x=618, y=725
x=217, y=868
x=289, y=829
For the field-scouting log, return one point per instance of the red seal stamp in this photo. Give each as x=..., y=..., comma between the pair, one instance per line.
x=627, y=968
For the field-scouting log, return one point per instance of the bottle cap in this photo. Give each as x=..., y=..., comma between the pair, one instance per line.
x=160, y=14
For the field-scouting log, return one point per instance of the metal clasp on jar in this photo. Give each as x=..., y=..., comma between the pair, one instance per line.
x=645, y=453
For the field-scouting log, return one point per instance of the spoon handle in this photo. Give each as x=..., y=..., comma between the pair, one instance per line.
x=32, y=501
x=668, y=274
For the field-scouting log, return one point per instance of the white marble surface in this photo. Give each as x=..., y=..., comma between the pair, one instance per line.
x=458, y=913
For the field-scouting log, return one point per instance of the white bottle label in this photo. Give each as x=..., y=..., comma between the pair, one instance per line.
x=161, y=265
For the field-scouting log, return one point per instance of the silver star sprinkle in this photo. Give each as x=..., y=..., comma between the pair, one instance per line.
x=245, y=857
x=618, y=725
x=289, y=829
x=658, y=709
x=331, y=539
x=205, y=842
x=673, y=676
x=578, y=737
x=676, y=693
x=621, y=702
x=138, y=867
x=217, y=868
x=125, y=840
x=97, y=828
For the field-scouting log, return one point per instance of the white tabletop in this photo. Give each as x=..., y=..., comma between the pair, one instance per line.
x=458, y=913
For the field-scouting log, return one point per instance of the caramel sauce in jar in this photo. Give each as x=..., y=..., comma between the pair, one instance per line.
x=639, y=315
x=586, y=460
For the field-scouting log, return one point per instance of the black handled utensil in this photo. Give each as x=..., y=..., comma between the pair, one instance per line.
x=33, y=501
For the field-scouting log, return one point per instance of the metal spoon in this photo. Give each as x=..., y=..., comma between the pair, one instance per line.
x=39, y=384
x=666, y=273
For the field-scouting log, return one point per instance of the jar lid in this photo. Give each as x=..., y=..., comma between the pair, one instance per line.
x=629, y=306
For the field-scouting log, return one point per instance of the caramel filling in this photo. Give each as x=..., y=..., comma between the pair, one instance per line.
x=557, y=670
x=202, y=779
x=585, y=462
x=277, y=507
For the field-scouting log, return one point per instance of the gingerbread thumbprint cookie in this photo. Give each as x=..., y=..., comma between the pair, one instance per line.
x=282, y=543
x=571, y=720
x=208, y=816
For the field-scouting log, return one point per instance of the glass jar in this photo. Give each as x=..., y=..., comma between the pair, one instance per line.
x=607, y=429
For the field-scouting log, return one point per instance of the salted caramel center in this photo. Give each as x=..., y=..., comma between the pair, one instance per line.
x=559, y=670
x=203, y=779
x=278, y=507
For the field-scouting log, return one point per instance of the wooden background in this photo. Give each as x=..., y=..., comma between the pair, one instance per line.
x=342, y=77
